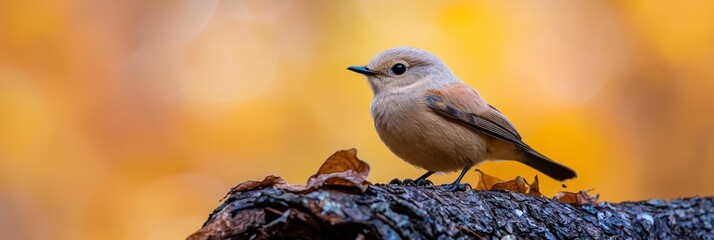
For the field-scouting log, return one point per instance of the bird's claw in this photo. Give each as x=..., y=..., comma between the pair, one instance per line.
x=411, y=183
x=424, y=182
x=408, y=183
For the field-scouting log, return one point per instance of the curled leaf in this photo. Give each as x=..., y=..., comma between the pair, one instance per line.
x=341, y=161
x=535, y=189
x=268, y=181
x=579, y=198
x=518, y=185
x=346, y=178
x=485, y=181
x=343, y=168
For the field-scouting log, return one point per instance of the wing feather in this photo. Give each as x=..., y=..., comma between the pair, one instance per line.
x=498, y=118
x=493, y=126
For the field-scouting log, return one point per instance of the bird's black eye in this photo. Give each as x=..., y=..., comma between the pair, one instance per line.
x=399, y=69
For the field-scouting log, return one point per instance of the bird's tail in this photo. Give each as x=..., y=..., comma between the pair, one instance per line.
x=547, y=166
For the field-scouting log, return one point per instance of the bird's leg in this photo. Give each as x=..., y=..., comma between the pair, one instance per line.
x=423, y=181
x=425, y=176
x=456, y=185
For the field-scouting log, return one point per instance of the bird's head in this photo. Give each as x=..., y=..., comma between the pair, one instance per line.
x=396, y=69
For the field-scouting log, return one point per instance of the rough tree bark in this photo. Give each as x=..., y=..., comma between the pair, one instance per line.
x=399, y=212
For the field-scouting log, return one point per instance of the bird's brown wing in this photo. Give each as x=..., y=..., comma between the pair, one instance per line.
x=492, y=123
x=498, y=118
x=470, y=110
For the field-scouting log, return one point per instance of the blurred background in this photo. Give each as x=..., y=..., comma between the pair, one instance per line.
x=131, y=119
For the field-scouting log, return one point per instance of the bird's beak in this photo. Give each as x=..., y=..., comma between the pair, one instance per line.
x=362, y=70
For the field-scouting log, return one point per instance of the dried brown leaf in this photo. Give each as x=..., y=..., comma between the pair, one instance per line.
x=268, y=181
x=535, y=189
x=579, y=198
x=341, y=161
x=485, y=181
x=343, y=168
x=566, y=197
x=518, y=185
x=346, y=178
x=585, y=198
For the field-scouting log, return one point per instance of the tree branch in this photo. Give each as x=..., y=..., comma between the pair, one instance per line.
x=399, y=212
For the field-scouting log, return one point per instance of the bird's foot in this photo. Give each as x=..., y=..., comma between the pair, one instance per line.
x=407, y=182
x=456, y=187
x=410, y=183
x=424, y=182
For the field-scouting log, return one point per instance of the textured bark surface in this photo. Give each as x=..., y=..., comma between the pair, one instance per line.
x=399, y=212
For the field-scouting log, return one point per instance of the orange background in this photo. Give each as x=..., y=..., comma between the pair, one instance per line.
x=131, y=119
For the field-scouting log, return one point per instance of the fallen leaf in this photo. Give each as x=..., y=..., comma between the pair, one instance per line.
x=579, y=198
x=517, y=185
x=346, y=178
x=341, y=161
x=485, y=181
x=535, y=189
x=268, y=181
x=566, y=197
x=343, y=168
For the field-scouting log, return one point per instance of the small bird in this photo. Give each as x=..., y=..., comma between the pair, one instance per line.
x=434, y=121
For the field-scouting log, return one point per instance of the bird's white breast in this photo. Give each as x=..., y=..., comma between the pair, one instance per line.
x=420, y=137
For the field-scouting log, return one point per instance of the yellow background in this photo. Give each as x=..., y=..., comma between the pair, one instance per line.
x=131, y=119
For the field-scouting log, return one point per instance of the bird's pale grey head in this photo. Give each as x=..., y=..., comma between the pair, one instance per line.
x=397, y=68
